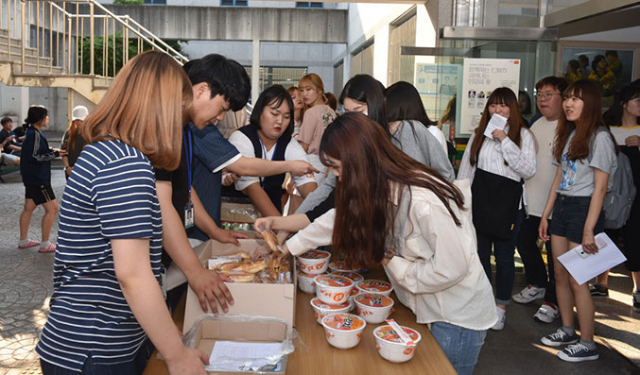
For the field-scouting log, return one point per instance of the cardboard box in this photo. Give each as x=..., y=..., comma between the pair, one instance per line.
x=211, y=331
x=238, y=212
x=276, y=300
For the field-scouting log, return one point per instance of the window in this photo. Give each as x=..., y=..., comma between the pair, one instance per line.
x=278, y=75
x=234, y=3
x=309, y=4
x=158, y=2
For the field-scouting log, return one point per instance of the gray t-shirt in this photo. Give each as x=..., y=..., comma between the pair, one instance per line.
x=577, y=175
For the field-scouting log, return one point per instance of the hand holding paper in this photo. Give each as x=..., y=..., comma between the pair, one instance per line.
x=497, y=122
x=584, y=266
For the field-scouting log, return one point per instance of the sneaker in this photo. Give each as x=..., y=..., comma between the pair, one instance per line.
x=49, y=249
x=528, y=294
x=547, y=313
x=578, y=353
x=502, y=318
x=558, y=338
x=598, y=290
x=30, y=243
x=636, y=301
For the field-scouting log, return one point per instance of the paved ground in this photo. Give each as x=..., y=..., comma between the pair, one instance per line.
x=26, y=284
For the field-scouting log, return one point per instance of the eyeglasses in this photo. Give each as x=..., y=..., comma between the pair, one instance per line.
x=547, y=96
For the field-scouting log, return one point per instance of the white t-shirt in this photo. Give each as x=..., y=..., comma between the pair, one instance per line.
x=620, y=133
x=538, y=186
x=440, y=137
x=293, y=152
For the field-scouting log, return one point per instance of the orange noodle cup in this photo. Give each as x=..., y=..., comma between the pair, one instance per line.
x=333, y=289
x=343, y=330
x=314, y=262
x=374, y=308
x=375, y=287
x=352, y=298
x=341, y=266
x=321, y=309
x=391, y=347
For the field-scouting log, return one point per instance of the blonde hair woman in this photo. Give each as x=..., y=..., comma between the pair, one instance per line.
x=315, y=120
x=107, y=297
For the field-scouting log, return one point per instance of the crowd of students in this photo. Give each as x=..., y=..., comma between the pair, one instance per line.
x=376, y=182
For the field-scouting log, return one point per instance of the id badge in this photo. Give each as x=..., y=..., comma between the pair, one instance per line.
x=188, y=216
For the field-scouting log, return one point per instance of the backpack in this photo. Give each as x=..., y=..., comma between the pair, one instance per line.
x=618, y=200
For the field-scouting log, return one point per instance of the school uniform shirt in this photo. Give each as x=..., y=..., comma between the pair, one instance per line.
x=111, y=195
x=211, y=154
x=293, y=152
x=577, y=175
x=315, y=120
x=493, y=154
x=537, y=187
x=437, y=274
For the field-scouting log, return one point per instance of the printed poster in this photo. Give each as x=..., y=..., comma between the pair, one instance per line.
x=480, y=78
x=437, y=84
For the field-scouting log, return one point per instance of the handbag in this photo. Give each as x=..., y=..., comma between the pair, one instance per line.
x=495, y=202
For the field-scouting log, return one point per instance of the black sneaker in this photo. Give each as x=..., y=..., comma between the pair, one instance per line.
x=558, y=338
x=636, y=301
x=598, y=290
x=577, y=353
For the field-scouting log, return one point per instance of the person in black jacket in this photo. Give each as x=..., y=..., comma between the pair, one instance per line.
x=35, y=168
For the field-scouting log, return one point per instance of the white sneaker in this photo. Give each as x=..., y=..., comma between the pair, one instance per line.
x=502, y=318
x=547, y=313
x=528, y=294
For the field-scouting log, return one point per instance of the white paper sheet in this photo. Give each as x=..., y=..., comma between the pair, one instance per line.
x=239, y=356
x=496, y=122
x=584, y=268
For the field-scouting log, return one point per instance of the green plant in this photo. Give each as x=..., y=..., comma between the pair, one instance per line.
x=85, y=45
x=128, y=2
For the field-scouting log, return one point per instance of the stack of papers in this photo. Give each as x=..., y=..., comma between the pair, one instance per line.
x=496, y=122
x=584, y=267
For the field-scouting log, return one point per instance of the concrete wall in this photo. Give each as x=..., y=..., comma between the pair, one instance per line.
x=254, y=4
x=239, y=23
x=15, y=102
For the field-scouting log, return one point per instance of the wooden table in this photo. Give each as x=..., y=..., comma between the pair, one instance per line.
x=315, y=356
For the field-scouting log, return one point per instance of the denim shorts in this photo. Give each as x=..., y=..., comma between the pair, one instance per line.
x=569, y=216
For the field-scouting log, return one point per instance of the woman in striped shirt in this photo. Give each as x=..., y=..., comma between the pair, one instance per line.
x=509, y=153
x=107, y=297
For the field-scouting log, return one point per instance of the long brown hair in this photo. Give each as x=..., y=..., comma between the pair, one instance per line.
x=501, y=95
x=364, y=193
x=73, y=134
x=590, y=119
x=143, y=108
x=316, y=81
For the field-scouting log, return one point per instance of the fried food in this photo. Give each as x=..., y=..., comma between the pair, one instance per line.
x=271, y=240
x=241, y=276
x=252, y=267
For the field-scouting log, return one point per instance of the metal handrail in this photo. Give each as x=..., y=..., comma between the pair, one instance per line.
x=48, y=42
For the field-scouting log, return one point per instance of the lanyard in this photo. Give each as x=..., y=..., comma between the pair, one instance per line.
x=264, y=156
x=186, y=138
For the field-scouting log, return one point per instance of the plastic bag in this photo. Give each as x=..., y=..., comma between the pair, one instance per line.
x=287, y=347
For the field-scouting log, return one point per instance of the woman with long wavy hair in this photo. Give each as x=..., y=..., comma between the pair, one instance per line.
x=499, y=164
x=585, y=153
x=394, y=211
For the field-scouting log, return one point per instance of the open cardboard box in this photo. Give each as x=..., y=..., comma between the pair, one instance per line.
x=238, y=212
x=211, y=331
x=276, y=300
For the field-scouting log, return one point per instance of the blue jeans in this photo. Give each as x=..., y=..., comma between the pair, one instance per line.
x=460, y=345
x=134, y=367
x=505, y=266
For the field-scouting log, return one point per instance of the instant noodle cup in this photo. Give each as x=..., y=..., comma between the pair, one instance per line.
x=314, y=262
x=333, y=289
x=356, y=278
x=352, y=302
x=341, y=266
x=391, y=347
x=306, y=283
x=321, y=309
x=374, y=308
x=375, y=287
x=343, y=330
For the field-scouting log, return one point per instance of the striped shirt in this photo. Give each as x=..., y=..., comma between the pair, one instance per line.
x=110, y=195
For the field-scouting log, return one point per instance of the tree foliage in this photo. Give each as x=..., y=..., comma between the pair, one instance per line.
x=85, y=47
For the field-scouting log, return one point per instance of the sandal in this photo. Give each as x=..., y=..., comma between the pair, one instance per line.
x=31, y=243
x=49, y=249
